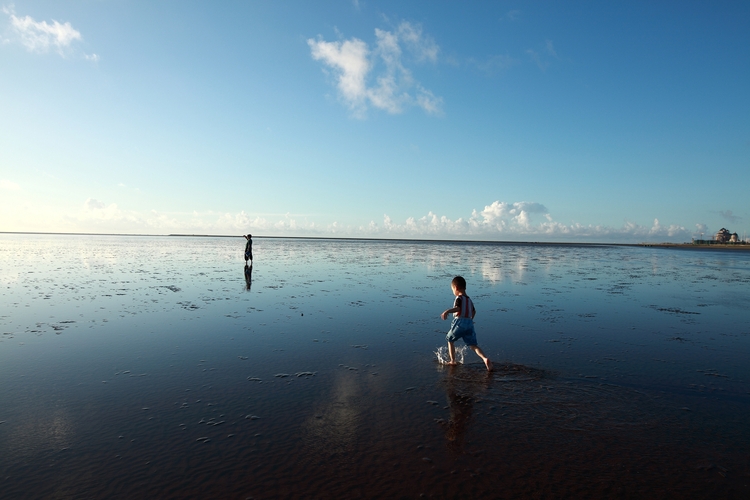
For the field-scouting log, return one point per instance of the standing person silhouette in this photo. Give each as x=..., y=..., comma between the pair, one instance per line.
x=249, y=248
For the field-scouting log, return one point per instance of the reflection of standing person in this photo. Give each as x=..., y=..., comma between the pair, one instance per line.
x=249, y=248
x=248, y=276
x=462, y=326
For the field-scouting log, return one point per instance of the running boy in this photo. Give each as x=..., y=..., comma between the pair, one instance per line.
x=462, y=326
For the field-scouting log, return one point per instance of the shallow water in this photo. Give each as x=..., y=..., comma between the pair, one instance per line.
x=158, y=367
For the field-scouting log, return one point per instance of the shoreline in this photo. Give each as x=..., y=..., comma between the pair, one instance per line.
x=693, y=246
x=683, y=246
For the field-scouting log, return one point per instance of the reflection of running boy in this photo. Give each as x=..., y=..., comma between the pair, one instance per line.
x=462, y=326
x=249, y=248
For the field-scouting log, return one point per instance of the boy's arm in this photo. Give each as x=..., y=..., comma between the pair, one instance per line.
x=452, y=310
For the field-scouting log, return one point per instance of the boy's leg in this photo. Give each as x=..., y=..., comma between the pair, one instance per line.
x=451, y=353
x=486, y=360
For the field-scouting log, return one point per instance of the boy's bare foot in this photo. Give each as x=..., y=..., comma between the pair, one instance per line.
x=488, y=364
x=451, y=363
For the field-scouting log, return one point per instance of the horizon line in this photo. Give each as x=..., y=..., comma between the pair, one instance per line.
x=354, y=238
x=418, y=240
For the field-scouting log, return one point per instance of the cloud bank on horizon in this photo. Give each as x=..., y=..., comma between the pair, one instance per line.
x=498, y=221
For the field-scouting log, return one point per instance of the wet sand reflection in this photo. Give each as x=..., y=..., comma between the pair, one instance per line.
x=141, y=367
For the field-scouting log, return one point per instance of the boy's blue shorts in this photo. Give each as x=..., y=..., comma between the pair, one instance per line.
x=462, y=328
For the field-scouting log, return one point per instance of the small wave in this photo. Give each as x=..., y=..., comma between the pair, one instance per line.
x=443, y=358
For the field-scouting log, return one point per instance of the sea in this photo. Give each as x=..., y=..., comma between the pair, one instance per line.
x=163, y=367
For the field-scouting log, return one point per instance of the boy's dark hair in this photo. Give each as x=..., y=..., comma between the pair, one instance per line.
x=459, y=283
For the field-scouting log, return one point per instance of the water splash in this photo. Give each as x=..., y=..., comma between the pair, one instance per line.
x=442, y=354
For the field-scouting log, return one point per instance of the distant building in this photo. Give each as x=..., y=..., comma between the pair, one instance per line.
x=722, y=237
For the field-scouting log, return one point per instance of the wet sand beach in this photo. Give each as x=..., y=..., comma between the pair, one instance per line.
x=144, y=367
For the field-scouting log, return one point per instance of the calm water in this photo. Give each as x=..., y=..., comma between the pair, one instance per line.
x=157, y=368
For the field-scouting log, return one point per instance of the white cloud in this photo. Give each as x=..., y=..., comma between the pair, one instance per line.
x=729, y=216
x=95, y=211
x=393, y=87
x=497, y=221
x=534, y=55
x=350, y=60
x=542, y=62
x=494, y=64
x=422, y=46
x=671, y=230
x=513, y=15
x=428, y=101
x=92, y=204
x=518, y=212
x=550, y=48
x=41, y=36
x=517, y=222
x=7, y=185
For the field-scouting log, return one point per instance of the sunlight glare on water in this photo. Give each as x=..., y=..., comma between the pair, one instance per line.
x=442, y=354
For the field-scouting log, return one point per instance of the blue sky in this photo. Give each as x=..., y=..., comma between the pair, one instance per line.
x=520, y=121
